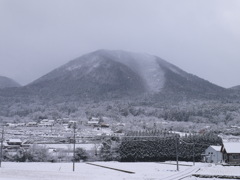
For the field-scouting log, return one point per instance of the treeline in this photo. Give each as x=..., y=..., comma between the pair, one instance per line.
x=159, y=146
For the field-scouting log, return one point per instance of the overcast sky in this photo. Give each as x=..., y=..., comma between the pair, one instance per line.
x=201, y=37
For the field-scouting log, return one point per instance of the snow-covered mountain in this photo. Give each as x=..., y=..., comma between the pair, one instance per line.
x=120, y=73
x=6, y=82
x=116, y=84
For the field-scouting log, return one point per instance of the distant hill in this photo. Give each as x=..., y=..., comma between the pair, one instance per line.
x=6, y=82
x=117, y=84
x=92, y=75
x=106, y=74
x=235, y=87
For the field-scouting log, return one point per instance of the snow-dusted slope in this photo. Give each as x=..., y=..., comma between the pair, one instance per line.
x=7, y=82
x=92, y=75
x=143, y=64
x=122, y=73
x=235, y=87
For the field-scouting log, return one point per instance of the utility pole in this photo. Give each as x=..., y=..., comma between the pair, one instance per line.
x=74, y=143
x=177, y=141
x=1, y=152
x=193, y=154
x=193, y=149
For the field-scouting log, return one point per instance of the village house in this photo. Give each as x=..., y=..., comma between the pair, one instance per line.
x=46, y=123
x=93, y=121
x=213, y=154
x=12, y=146
x=231, y=152
x=104, y=125
x=15, y=124
x=17, y=142
x=20, y=124
x=31, y=124
x=72, y=122
x=11, y=124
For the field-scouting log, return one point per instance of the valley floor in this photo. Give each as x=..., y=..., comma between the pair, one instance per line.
x=85, y=171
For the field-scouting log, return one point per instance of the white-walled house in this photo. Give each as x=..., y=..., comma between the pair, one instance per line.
x=213, y=154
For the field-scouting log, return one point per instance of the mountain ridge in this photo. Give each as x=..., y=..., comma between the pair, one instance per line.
x=120, y=73
x=115, y=83
x=106, y=74
x=6, y=82
x=235, y=87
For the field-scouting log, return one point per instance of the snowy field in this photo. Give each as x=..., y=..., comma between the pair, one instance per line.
x=218, y=170
x=146, y=171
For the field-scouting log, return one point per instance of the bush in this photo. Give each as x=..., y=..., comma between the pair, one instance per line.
x=38, y=153
x=81, y=154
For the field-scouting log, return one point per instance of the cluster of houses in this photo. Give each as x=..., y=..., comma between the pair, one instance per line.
x=12, y=146
x=63, y=152
x=59, y=133
x=93, y=122
x=228, y=153
x=97, y=122
x=42, y=123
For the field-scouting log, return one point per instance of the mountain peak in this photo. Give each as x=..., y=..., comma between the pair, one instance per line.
x=119, y=73
x=143, y=64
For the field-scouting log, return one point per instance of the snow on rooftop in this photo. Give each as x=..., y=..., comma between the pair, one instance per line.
x=232, y=147
x=182, y=134
x=216, y=148
x=69, y=146
x=15, y=140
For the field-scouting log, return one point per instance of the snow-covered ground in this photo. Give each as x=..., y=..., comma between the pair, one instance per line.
x=84, y=171
x=219, y=171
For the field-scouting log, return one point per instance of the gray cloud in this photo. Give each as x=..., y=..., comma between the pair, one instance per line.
x=200, y=36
